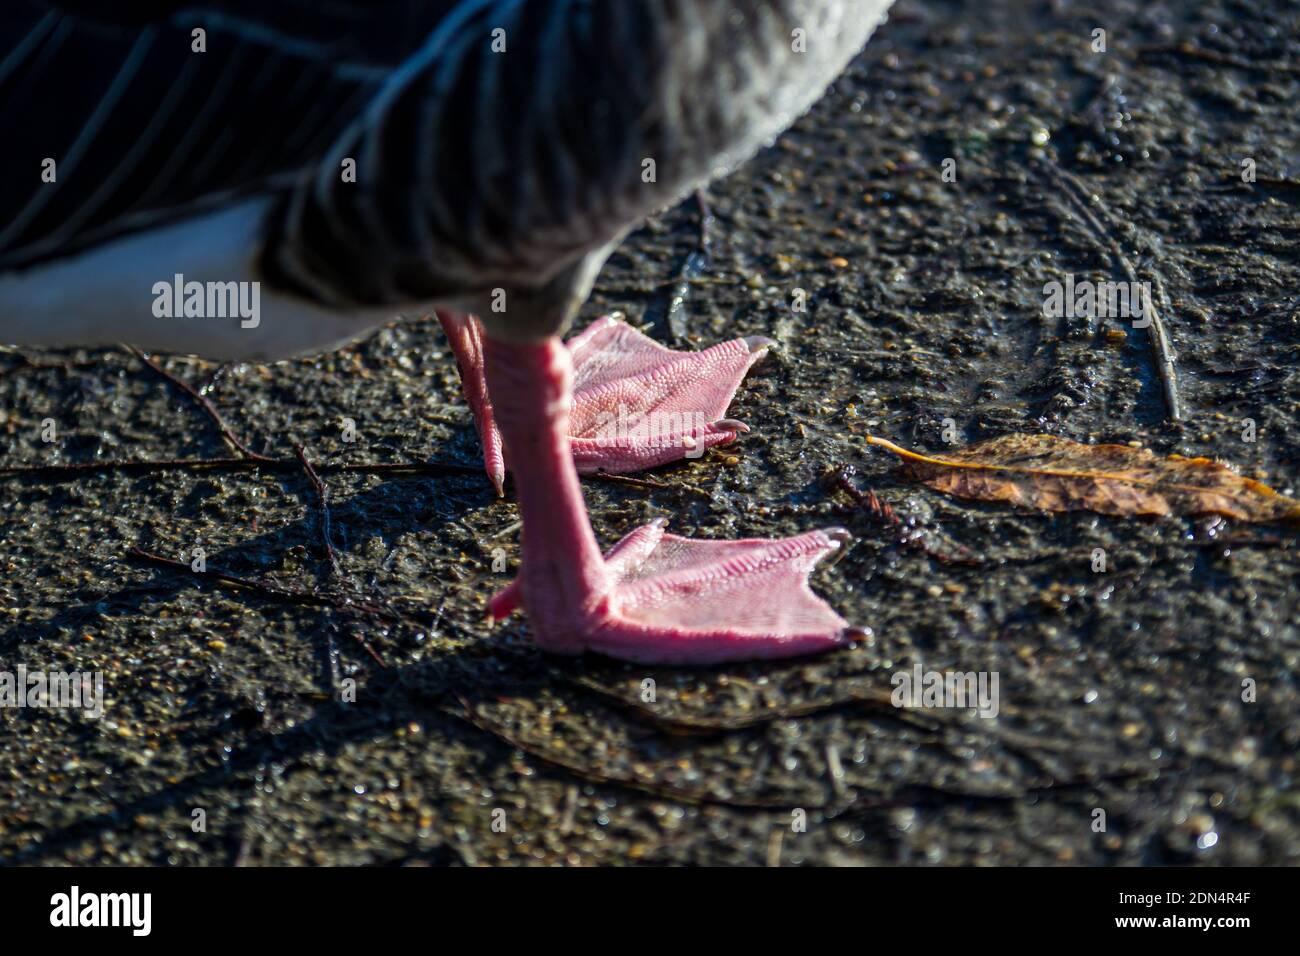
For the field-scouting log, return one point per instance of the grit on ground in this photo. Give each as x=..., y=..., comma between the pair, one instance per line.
x=314, y=733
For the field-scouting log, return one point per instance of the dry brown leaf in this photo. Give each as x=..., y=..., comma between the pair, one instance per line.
x=1057, y=474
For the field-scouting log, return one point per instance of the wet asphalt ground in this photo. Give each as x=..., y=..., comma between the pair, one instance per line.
x=366, y=713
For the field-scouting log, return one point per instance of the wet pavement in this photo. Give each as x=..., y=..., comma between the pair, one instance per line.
x=368, y=714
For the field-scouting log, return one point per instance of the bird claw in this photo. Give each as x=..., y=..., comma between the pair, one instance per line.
x=674, y=600
x=636, y=404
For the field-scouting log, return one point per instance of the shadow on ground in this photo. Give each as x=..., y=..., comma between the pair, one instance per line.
x=291, y=726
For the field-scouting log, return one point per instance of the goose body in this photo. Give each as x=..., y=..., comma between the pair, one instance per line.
x=367, y=157
x=254, y=180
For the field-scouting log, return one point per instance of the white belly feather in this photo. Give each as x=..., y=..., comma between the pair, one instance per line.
x=128, y=291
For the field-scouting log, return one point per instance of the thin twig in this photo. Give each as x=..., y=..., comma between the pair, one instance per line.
x=277, y=592
x=79, y=469
x=645, y=483
x=248, y=459
x=322, y=506
x=326, y=521
x=905, y=796
x=1162, y=351
x=683, y=724
x=692, y=268
x=470, y=715
x=24, y=364
x=202, y=402
x=266, y=589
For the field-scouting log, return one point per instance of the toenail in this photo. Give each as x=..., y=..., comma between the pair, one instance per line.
x=731, y=425
x=859, y=635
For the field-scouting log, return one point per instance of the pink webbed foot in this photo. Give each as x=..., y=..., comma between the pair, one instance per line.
x=635, y=404
x=655, y=597
x=672, y=600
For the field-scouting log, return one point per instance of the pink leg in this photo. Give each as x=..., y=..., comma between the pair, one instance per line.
x=465, y=336
x=656, y=597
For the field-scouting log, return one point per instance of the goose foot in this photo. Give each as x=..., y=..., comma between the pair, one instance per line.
x=635, y=403
x=655, y=597
x=674, y=600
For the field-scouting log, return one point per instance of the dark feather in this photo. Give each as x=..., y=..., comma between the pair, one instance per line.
x=144, y=130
